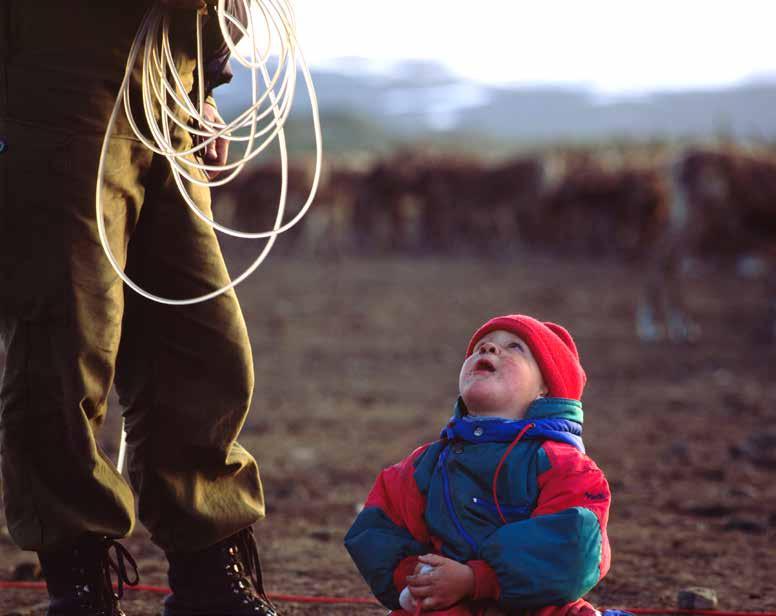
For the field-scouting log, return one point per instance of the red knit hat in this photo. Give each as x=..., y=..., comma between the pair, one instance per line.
x=552, y=347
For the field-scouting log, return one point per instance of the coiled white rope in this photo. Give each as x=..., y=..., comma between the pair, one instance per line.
x=270, y=22
x=263, y=121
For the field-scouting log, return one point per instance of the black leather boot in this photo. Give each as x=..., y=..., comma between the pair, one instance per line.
x=79, y=577
x=222, y=580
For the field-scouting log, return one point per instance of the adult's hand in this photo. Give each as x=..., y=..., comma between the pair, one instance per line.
x=216, y=152
x=447, y=584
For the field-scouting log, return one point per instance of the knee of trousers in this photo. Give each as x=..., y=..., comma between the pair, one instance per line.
x=213, y=405
x=238, y=378
x=232, y=357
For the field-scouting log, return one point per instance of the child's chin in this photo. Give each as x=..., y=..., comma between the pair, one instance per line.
x=479, y=395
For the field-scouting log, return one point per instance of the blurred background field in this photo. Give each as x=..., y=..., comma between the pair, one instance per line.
x=448, y=198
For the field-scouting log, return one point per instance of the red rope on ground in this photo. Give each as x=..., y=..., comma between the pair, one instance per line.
x=637, y=610
x=163, y=590
x=370, y=601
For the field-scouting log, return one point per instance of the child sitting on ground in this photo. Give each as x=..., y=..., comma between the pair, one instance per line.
x=505, y=513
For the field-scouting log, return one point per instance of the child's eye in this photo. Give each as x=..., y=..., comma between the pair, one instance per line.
x=515, y=345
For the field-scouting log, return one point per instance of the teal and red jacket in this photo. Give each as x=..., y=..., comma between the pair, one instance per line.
x=516, y=500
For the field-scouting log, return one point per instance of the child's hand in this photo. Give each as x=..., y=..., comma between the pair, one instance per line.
x=583, y=610
x=447, y=584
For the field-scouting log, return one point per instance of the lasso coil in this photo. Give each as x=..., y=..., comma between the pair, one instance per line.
x=255, y=128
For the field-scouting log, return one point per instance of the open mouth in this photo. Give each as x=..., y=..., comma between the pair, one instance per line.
x=484, y=365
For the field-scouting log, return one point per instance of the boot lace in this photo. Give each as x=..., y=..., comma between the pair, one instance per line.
x=100, y=593
x=244, y=569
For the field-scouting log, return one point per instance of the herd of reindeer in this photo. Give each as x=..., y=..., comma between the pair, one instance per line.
x=654, y=208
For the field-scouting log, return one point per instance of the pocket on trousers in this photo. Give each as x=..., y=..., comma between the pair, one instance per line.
x=33, y=151
x=34, y=166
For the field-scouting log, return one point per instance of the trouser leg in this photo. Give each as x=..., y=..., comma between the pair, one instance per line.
x=185, y=377
x=60, y=319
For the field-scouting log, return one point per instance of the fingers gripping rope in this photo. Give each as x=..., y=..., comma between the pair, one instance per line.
x=254, y=129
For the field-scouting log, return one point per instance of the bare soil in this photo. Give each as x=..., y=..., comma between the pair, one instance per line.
x=357, y=364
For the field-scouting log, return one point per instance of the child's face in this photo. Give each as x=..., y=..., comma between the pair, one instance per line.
x=500, y=377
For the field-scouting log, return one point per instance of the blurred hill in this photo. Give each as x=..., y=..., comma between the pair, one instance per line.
x=418, y=101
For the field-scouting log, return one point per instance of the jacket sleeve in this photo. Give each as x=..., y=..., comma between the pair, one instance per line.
x=390, y=532
x=217, y=69
x=562, y=550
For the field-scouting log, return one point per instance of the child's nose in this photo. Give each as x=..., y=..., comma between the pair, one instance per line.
x=488, y=347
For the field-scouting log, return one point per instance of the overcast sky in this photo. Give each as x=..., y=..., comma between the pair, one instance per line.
x=613, y=46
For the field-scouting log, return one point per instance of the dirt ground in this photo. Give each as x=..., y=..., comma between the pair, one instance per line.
x=357, y=364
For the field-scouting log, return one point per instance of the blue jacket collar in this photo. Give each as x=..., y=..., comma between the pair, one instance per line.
x=546, y=415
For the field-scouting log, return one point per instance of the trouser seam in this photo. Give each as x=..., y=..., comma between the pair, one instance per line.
x=26, y=430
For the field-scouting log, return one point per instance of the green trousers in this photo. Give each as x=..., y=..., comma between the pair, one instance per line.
x=184, y=375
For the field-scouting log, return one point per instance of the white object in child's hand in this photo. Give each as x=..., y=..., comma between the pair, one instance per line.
x=405, y=598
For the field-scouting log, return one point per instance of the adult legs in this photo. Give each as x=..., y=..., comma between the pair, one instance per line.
x=185, y=377
x=60, y=320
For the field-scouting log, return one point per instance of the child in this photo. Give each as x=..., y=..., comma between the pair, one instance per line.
x=505, y=513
